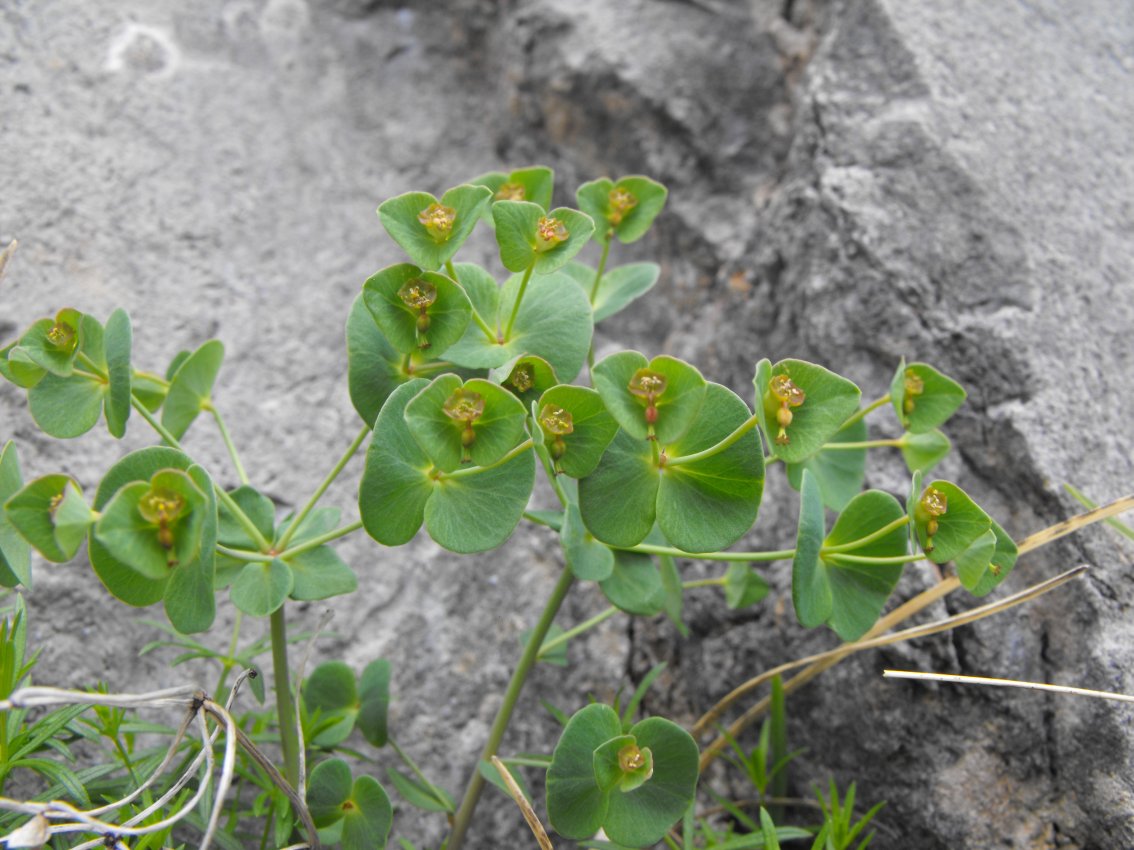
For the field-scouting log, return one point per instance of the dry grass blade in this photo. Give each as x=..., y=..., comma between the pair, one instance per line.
x=1005, y=683
x=820, y=662
x=525, y=807
x=1068, y=526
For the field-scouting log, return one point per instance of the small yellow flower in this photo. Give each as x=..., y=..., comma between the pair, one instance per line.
x=438, y=220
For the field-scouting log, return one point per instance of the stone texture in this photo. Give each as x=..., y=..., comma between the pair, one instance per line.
x=850, y=182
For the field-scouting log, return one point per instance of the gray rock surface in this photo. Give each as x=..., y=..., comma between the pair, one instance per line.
x=850, y=183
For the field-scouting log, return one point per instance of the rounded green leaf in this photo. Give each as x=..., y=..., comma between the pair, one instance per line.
x=52, y=516
x=810, y=587
x=402, y=217
x=328, y=787
x=861, y=590
x=17, y=367
x=261, y=587
x=962, y=523
x=478, y=349
x=589, y=429
x=618, y=501
x=417, y=310
x=922, y=452
x=829, y=401
x=320, y=574
x=923, y=398
x=676, y=403
x=635, y=585
x=53, y=344
x=642, y=816
x=257, y=507
x=708, y=504
x=118, y=341
x=554, y=322
x=475, y=422
x=477, y=509
x=190, y=389
x=743, y=586
x=576, y=805
x=588, y=559
x=124, y=582
x=374, y=702
x=395, y=483
x=627, y=207
x=153, y=545
x=623, y=285
x=530, y=236
x=839, y=473
x=190, y=594
x=66, y=407
x=15, y=553
x=534, y=184
x=367, y=820
x=330, y=696
x=374, y=367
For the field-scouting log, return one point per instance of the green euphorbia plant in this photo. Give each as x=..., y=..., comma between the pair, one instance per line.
x=466, y=381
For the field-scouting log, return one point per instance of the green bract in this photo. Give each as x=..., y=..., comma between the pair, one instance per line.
x=526, y=377
x=631, y=387
x=948, y=522
x=431, y=231
x=531, y=237
x=533, y=184
x=469, y=510
x=457, y=423
x=801, y=406
x=66, y=407
x=923, y=398
x=417, y=310
x=705, y=499
x=52, y=516
x=632, y=785
x=576, y=428
x=626, y=208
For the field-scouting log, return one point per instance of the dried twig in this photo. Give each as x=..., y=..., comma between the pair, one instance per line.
x=525, y=807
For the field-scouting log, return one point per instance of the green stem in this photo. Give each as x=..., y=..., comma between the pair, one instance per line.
x=476, y=317
x=549, y=471
x=150, y=376
x=859, y=414
x=412, y=765
x=322, y=488
x=285, y=704
x=244, y=554
x=651, y=549
x=867, y=560
x=476, y=470
x=864, y=444
x=238, y=514
x=452, y=272
x=504, y=714
x=742, y=429
x=559, y=640
x=870, y=538
x=519, y=298
x=316, y=542
x=228, y=444
x=601, y=265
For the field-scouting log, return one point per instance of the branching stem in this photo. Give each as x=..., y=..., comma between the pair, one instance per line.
x=322, y=488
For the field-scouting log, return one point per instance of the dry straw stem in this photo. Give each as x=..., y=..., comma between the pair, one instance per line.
x=197, y=708
x=1005, y=683
x=525, y=807
x=6, y=255
x=823, y=661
